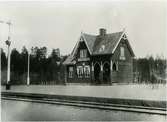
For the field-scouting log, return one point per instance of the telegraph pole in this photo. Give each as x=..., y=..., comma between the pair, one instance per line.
x=8, y=72
x=0, y=58
x=28, y=72
x=0, y=65
x=8, y=42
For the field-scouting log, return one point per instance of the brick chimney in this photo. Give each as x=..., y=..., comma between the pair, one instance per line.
x=102, y=32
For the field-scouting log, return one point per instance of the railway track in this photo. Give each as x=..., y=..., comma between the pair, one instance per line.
x=80, y=103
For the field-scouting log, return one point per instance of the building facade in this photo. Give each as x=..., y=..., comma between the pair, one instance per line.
x=100, y=59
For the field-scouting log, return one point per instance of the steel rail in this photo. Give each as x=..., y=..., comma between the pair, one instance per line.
x=91, y=105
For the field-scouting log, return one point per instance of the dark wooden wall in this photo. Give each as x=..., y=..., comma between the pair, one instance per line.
x=124, y=74
x=75, y=78
x=125, y=67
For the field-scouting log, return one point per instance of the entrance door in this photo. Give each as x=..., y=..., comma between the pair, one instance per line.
x=97, y=73
x=106, y=73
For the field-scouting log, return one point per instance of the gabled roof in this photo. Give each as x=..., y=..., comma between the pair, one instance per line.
x=90, y=41
x=98, y=45
x=69, y=60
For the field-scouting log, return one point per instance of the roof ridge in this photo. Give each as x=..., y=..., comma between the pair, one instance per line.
x=106, y=33
x=116, y=32
x=88, y=34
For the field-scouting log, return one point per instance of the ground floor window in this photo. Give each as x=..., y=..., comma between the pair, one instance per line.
x=80, y=71
x=70, y=74
x=83, y=71
x=87, y=71
x=115, y=66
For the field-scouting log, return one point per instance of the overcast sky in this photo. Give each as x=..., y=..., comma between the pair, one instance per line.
x=59, y=24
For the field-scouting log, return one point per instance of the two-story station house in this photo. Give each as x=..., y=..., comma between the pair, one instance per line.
x=100, y=59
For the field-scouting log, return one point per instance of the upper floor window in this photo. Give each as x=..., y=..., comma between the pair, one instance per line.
x=83, y=53
x=122, y=53
x=70, y=73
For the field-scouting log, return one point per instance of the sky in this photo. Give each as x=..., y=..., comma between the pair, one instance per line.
x=59, y=24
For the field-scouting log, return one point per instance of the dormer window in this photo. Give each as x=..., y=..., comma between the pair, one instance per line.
x=122, y=53
x=102, y=48
x=83, y=53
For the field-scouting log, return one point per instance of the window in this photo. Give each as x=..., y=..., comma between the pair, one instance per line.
x=87, y=71
x=79, y=71
x=122, y=53
x=102, y=48
x=70, y=74
x=83, y=53
x=115, y=66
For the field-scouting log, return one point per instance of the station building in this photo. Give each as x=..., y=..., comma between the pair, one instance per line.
x=105, y=58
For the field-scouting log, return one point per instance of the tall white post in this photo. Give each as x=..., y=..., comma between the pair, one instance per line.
x=0, y=65
x=8, y=42
x=28, y=72
x=8, y=72
x=0, y=53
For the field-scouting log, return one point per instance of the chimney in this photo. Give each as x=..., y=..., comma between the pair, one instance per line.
x=102, y=32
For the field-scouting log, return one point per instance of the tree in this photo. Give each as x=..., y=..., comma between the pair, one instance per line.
x=3, y=60
x=3, y=67
x=53, y=67
x=24, y=59
x=150, y=70
x=15, y=66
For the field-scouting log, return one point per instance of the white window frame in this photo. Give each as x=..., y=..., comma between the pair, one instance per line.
x=83, y=53
x=80, y=71
x=122, y=53
x=70, y=72
x=102, y=48
x=87, y=71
